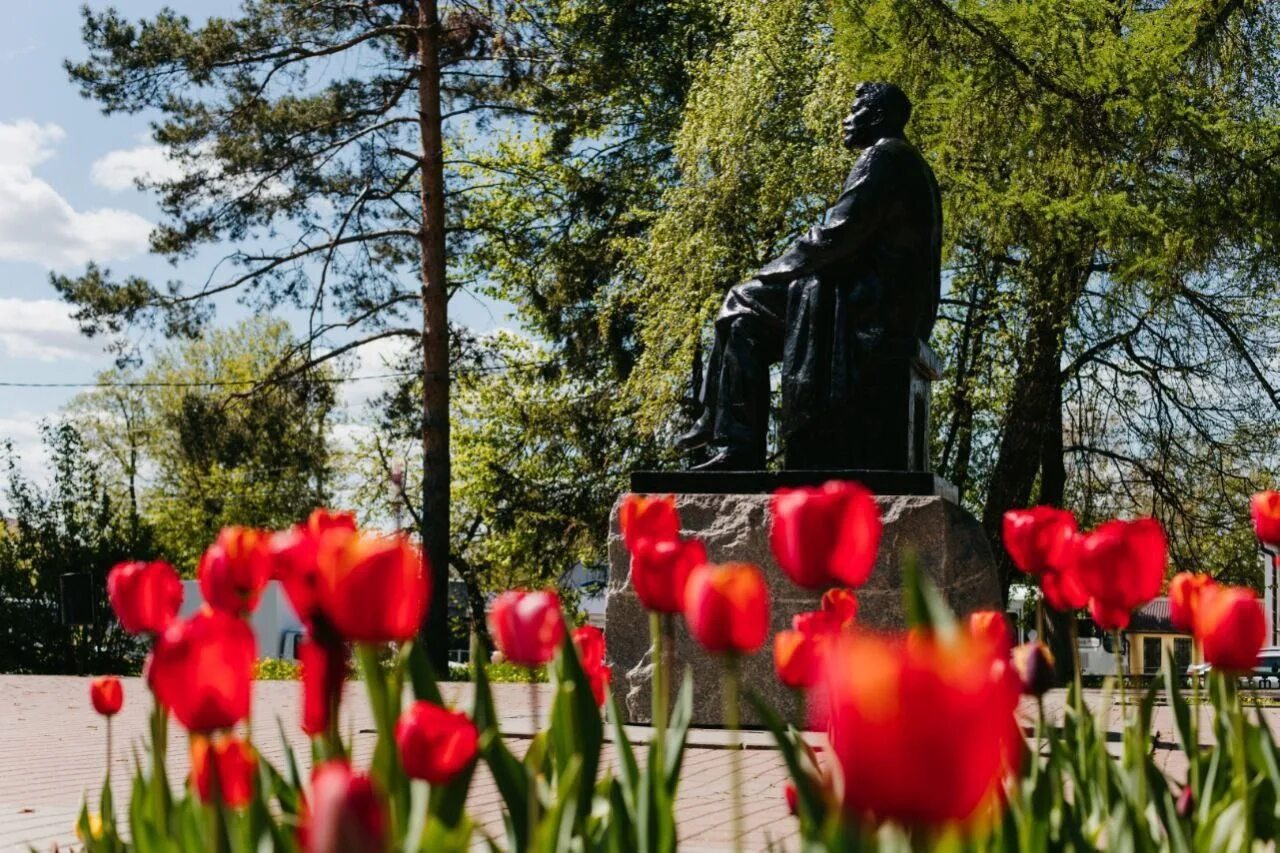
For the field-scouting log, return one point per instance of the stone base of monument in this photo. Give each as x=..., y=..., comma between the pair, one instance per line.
x=947, y=541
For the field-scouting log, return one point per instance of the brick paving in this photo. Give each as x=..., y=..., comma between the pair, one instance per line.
x=52, y=753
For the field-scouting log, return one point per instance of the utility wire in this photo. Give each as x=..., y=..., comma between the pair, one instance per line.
x=239, y=383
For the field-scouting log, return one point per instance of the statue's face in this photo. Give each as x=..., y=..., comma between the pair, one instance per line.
x=861, y=126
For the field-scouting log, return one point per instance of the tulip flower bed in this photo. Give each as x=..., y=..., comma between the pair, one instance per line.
x=921, y=749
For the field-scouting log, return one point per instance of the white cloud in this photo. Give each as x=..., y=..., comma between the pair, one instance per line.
x=23, y=431
x=376, y=358
x=124, y=168
x=38, y=225
x=42, y=329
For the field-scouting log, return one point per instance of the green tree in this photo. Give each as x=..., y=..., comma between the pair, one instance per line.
x=1110, y=186
x=68, y=532
x=538, y=462
x=197, y=453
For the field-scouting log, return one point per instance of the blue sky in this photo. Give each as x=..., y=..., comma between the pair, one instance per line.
x=66, y=196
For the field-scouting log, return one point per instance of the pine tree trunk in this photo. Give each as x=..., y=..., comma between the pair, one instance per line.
x=435, y=340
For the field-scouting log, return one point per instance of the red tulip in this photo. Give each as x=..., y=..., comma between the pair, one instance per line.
x=145, y=596
x=435, y=744
x=653, y=518
x=324, y=672
x=235, y=569
x=589, y=641
x=1230, y=627
x=1264, y=507
x=346, y=813
x=107, y=695
x=841, y=605
x=797, y=656
x=1062, y=589
x=1184, y=597
x=727, y=607
x=660, y=571
x=527, y=627
x=1035, y=537
x=991, y=627
x=202, y=670
x=1121, y=565
x=924, y=732
x=234, y=763
x=294, y=554
x=825, y=536
x=372, y=589
x=792, y=796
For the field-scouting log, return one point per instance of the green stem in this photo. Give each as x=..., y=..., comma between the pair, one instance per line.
x=731, y=722
x=660, y=696
x=108, y=750
x=159, y=778
x=532, y=804
x=1240, y=778
x=1075, y=662
x=386, y=758
x=1115, y=634
x=1193, y=751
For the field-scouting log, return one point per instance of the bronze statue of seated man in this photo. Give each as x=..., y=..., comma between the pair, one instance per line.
x=849, y=300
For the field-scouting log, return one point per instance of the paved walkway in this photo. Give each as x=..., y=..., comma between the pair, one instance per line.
x=52, y=749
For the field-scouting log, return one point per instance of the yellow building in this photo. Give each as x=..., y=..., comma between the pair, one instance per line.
x=1151, y=635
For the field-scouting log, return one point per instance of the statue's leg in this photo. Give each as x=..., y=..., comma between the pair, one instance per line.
x=748, y=339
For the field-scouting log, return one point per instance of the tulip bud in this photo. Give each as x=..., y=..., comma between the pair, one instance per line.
x=107, y=695
x=435, y=744
x=1186, y=802
x=655, y=518
x=1231, y=627
x=589, y=642
x=825, y=536
x=1264, y=507
x=789, y=792
x=346, y=813
x=1033, y=662
x=727, y=608
x=1035, y=538
x=234, y=763
x=527, y=626
x=145, y=596
x=1184, y=598
x=235, y=569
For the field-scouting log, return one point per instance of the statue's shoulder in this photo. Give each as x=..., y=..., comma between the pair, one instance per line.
x=892, y=148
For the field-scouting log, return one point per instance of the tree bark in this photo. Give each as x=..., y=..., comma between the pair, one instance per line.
x=435, y=340
x=1034, y=413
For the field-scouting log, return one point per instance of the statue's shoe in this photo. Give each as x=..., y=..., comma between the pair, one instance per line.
x=699, y=436
x=727, y=460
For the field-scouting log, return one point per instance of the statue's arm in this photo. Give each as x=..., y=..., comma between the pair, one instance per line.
x=847, y=224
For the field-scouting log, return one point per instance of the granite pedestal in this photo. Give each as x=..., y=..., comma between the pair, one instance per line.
x=951, y=549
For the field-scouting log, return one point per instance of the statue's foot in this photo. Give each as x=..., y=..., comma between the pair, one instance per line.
x=699, y=436
x=727, y=460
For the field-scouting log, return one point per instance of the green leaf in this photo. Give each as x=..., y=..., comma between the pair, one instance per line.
x=925, y=607
x=423, y=678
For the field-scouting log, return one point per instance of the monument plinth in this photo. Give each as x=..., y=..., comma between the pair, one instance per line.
x=948, y=543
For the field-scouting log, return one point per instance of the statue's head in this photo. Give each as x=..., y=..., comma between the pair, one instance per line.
x=879, y=110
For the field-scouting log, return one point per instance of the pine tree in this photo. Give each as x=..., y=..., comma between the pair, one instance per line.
x=312, y=137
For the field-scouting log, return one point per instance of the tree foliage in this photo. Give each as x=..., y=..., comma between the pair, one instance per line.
x=71, y=527
x=194, y=452
x=1110, y=187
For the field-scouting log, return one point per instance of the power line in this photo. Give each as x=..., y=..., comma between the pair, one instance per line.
x=209, y=383
x=241, y=383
